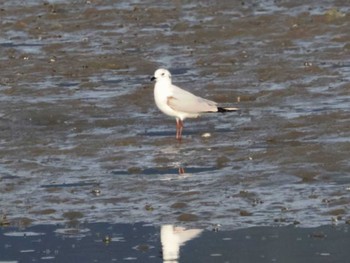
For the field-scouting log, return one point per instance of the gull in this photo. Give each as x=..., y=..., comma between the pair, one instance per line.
x=179, y=103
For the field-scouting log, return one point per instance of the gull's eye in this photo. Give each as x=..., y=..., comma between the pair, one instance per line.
x=163, y=74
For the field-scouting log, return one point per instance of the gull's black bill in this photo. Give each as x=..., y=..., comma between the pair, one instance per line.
x=153, y=79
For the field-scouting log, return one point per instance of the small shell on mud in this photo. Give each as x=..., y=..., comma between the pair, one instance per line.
x=4, y=221
x=96, y=192
x=216, y=227
x=149, y=208
x=245, y=213
x=206, y=135
x=107, y=239
x=307, y=64
x=334, y=220
x=333, y=13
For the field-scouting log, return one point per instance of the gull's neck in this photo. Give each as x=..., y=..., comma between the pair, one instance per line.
x=164, y=82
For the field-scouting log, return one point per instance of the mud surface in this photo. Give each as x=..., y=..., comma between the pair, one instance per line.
x=81, y=139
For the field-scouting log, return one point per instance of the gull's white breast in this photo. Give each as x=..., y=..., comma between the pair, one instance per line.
x=163, y=91
x=161, y=94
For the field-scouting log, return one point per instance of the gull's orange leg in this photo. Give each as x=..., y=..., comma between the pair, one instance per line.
x=181, y=170
x=179, y=127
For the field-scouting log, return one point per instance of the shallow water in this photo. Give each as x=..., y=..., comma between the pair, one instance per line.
x=81, y=138
x=101, y=242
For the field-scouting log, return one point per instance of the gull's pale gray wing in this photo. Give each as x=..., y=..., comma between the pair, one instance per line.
x=185, y=101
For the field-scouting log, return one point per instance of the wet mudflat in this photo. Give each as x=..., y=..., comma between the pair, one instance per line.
x=82, y=141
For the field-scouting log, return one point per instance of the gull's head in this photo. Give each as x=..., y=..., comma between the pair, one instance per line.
x=161, y=75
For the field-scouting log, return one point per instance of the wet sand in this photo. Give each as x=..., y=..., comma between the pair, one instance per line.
x=82, y=141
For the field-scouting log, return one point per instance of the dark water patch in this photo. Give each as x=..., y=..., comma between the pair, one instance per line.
x=100, y=242
x=165, y=171
x=9, y=177
x=11, y=44
x=112, y=81
x=186, y=132
x=159, y=133
x=81, y=184
x=67, y=84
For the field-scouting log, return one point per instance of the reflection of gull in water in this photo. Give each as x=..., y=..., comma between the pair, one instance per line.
x=172, y=238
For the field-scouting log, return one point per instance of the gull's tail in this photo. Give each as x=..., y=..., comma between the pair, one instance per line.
x=221, y=109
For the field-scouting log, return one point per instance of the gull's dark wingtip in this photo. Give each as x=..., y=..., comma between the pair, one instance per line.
x=221, y=109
